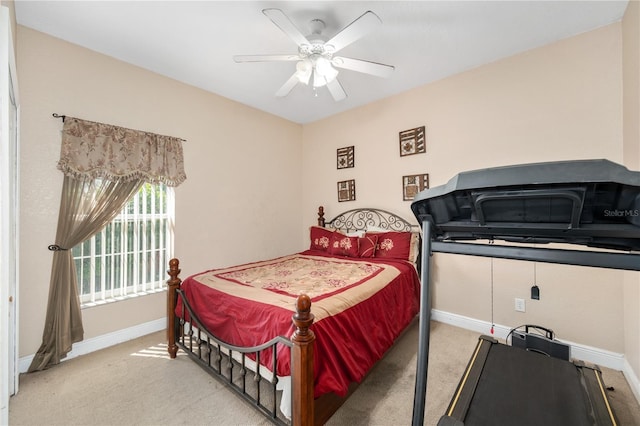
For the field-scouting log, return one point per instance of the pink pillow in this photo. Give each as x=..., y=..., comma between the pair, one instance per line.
x=343, y=245
x=320, y=238
x=393, y=244
x=367, y=245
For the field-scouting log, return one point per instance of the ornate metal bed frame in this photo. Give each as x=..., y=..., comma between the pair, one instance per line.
x=239, y=368
x=364, y=218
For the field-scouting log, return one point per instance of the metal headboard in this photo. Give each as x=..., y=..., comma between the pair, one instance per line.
x=363, y=218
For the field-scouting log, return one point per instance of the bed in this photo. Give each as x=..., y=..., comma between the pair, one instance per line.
x=294, y=335
x=593, y=204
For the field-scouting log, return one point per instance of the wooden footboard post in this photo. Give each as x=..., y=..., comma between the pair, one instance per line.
x=172, y=286
x=302, y=376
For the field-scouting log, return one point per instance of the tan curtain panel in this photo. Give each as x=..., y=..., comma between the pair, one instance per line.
x=87, y=206
x=98, y=150
x=104, y=166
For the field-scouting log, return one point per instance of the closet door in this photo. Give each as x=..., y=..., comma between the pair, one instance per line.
x=9, y=210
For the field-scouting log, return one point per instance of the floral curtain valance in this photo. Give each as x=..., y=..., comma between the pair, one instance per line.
x=97, y=150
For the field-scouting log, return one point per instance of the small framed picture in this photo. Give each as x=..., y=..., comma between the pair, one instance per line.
x=347, y=190
x=346, y=157
x=413, y=141
x=413, y=184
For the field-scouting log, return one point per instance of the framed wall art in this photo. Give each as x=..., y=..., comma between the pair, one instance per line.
x=347, y=190
x=413, y=184
x=346, y=157
x=413, y=141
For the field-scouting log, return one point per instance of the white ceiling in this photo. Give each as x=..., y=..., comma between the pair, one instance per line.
x=194, y=41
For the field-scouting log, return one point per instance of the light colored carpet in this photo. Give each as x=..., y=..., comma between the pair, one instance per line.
x=135, y=383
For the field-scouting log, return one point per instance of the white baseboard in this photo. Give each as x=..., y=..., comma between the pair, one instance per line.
x=104, y=341
x=600, y=357
x=632, y=379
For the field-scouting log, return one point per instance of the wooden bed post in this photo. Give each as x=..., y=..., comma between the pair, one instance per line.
x=321, y=216
x=302, y=364
x=172, y=283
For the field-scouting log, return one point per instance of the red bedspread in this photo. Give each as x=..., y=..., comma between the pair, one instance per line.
x=360, y=308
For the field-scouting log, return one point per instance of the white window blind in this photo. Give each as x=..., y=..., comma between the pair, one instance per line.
x=129, y=257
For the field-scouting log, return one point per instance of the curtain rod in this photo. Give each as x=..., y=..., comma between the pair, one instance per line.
x=56, y=115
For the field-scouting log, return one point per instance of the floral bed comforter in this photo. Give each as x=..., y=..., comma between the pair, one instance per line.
x=360, y=308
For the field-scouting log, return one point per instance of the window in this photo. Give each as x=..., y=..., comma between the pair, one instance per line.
x=130, y=255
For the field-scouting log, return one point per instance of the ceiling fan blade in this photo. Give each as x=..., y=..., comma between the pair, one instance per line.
x=336, y=90
x=367, y=67
x=287, y=86
x=265, y=58
x=284, y=23
x=352, y=32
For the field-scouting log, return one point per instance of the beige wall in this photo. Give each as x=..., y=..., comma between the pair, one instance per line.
x=241, y=200
x=558, y=102
x=631, y=129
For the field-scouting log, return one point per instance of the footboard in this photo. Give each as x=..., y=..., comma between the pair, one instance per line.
x=232, y=365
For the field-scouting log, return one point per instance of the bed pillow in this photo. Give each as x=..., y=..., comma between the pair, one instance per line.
x=357, y=233
x=367, y=245
x=343, y=245
x=393, y=244
x=320, y=238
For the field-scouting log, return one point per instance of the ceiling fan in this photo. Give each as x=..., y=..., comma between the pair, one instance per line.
x=315, y=57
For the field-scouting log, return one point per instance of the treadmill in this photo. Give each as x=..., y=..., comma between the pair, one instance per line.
x=594, y=204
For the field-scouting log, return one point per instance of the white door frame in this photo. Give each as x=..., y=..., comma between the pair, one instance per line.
x=9, y=217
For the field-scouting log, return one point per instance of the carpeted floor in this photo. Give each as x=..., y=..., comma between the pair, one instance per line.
x=135, y=383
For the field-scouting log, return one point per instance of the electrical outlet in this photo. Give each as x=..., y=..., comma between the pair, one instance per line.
x=520, y=307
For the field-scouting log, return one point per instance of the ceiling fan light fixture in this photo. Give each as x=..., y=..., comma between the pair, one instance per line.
x=324, y=72
x=316, y=53
x=318, y=79
x=303, y=71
